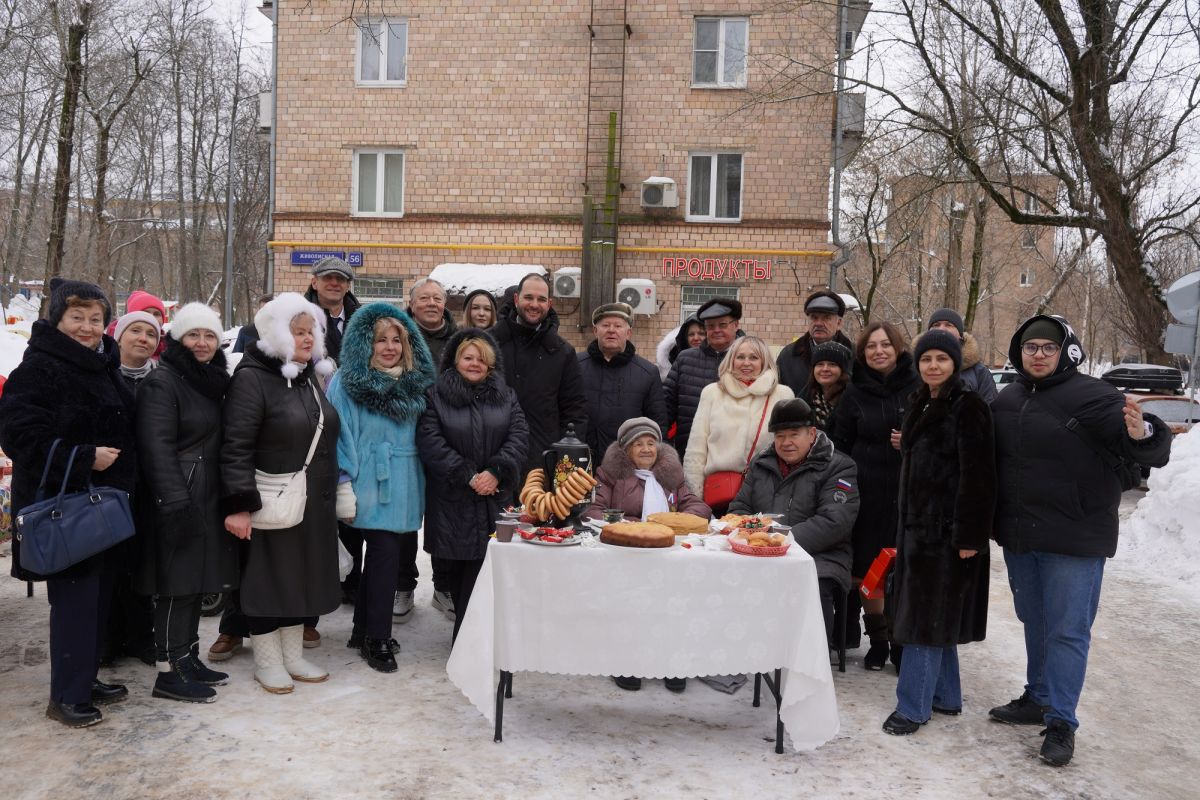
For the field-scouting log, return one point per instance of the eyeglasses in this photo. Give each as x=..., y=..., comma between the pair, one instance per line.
x=1031, y=349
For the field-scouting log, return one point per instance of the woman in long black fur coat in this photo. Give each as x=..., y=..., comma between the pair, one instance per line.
x=939, y=589
x=68, y=386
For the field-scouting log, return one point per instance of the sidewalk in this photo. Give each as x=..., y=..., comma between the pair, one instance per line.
x=412, y=735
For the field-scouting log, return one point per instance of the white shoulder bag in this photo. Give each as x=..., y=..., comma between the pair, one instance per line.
x=284, y=495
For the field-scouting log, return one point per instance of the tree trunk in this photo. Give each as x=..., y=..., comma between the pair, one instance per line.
x=979, y=213
x=66, y=145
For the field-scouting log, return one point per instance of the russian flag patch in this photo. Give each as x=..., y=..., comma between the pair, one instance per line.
x=844, y=485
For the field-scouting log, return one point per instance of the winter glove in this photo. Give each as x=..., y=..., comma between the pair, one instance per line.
x=347, y=503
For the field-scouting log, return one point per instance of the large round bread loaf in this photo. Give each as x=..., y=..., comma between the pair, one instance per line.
x=637, y=534
x=680, y=522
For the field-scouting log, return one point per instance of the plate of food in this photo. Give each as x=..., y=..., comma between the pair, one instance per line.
x=513, y=512
x=759, y=542
x=638, y=536
x=680, y=522
x=548, y=536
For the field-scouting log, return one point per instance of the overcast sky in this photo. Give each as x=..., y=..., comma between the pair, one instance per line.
x=258, y=27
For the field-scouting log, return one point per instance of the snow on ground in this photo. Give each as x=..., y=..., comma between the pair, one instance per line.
x=1162, y=536
x=413, y=735
x=12, y=349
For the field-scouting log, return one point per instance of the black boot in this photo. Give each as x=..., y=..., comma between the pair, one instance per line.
x=74, y=715
x=355, y=642
x=378, y=654
x=877, y=631
x=676, y=685
x=627, y=683
x=209, y=677
x=104, y=693
x=181, y=683
x=1059, y=745
x=851, y=621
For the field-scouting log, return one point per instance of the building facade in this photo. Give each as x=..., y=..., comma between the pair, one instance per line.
x=471, y=133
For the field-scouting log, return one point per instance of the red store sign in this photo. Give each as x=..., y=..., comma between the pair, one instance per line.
x=717, y=269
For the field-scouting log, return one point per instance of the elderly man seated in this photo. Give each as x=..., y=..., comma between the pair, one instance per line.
x=815, y=488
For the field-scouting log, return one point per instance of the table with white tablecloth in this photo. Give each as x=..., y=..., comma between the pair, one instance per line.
x=652, y=613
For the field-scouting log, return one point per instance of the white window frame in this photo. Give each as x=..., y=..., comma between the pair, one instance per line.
x=1025, y=279
x=720, y=82
x=380, y=188
x=712, y=188
x=383, y=55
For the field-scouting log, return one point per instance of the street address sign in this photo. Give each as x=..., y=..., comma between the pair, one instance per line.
x=306, y=258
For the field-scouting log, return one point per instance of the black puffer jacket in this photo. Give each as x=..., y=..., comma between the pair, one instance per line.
x=269, y=424
x=544, y=371
x=1056, y=494
x=617, y=390
x=693, y=369
x=947, y=497
x=467, y=429
x=871, y=407
x=63, y=390
x=818, y=499
x=333, y=337
x=437, y=339
x=186, y=549
x=795, y=361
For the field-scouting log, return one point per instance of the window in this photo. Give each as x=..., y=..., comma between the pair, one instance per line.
x=378, y=183
x=1026, y=278
x=715, y=187
x=383, y=53
x=719, y=52
x=1029, y=237
x=692, y=296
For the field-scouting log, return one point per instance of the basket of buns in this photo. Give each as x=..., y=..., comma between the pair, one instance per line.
x=754, y=537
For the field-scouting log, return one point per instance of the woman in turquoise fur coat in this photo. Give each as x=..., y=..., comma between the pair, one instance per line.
x=379, y=392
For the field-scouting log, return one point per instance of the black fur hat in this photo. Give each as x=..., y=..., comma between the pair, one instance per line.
x=61, y=289
x=793, y=413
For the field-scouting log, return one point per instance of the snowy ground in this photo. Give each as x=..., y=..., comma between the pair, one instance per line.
x=413, y=735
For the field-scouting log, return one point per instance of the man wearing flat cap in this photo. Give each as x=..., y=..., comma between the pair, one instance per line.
x=696, y=367
x=825, y=310
x=618, y=383
x=814, y=487
x=330, y=289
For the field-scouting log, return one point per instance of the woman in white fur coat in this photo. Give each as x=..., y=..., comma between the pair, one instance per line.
x=730, y=424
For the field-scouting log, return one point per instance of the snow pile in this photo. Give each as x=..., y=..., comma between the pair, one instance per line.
x=21, y=308
x=1163, y=533
x=12, y=350
x=466, y=278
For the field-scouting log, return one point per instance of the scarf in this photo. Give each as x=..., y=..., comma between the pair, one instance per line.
x=654, y=499
x=822, y=408
x=392, y=372
x=137, y=373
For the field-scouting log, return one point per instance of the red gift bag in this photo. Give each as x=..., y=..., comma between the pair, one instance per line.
x=872, y=585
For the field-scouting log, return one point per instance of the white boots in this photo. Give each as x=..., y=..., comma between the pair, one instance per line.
x=292, y=640
x=268, y=662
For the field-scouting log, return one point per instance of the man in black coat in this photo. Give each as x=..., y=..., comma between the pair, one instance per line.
x=1059, y=435
x=541, y=367
x=825, y=310
x=618, y=383
x=330, y=289
x=696, y=367
x=815, y=488
x=427, y=307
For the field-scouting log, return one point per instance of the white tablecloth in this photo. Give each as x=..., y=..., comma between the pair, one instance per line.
x=652, y=613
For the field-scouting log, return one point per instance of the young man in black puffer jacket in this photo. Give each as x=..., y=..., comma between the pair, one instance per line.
x=1059, y=434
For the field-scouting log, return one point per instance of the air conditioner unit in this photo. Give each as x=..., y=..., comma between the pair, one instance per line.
x=638, y=293
x=659, y=193
x=566, y=282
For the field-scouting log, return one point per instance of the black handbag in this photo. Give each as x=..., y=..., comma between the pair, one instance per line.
x=63, y=530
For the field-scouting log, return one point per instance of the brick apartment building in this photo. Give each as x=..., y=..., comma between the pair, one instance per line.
x=1019, y=263
x=470, y=132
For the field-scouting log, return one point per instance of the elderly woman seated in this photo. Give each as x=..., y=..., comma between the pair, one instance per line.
x=642, y=476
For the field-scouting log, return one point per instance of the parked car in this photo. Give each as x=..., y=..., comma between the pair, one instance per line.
x=1180, y=413
x=1145, y=378
x=1003, y=377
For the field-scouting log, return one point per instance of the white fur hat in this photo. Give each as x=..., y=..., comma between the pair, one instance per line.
x=195, y=316
x=274, y=324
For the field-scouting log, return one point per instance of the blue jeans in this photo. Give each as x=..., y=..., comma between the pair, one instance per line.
x=928, y=677
x=1056, y=598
